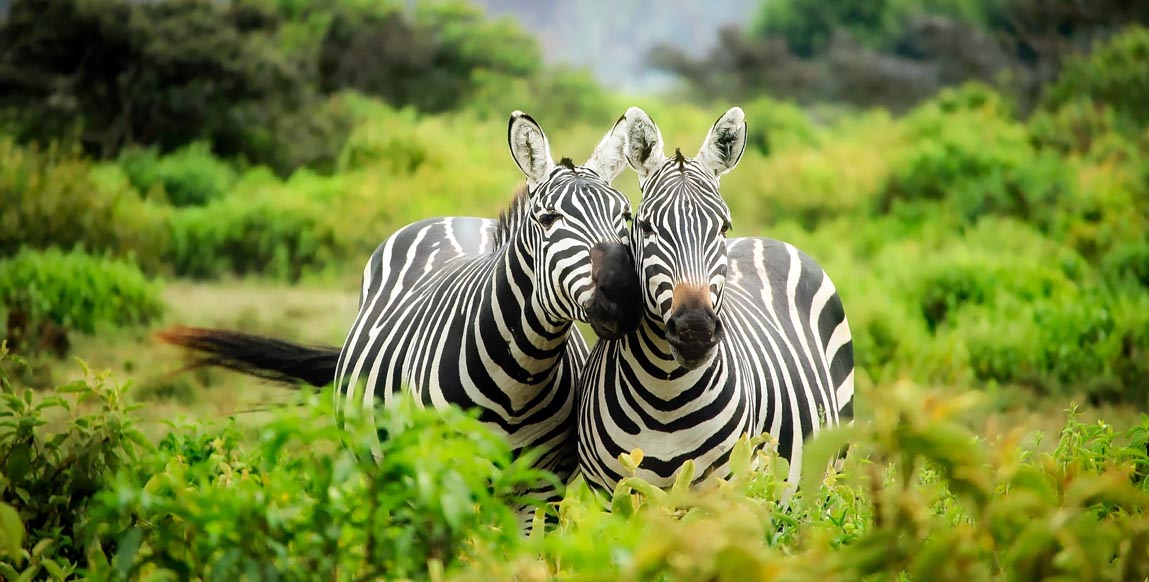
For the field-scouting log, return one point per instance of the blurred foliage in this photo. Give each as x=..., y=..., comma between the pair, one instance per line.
x=154, y=73
x=897, y=53
x=922, y=497
x=1114, y=76
x=256, y=80
x=53, y=197
x=46, y=294
x=190, y=176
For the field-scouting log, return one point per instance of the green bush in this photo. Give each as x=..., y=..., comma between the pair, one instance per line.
x=927, y=501
x=387, y=139
x=75, y=291
x=558, y=97
x=53, y=198
x=272, y=232
x=1113, y=74
x=995, y=259
x=299, y=498
x=308, y=137
x=1074, y=127
x=773, y=125
x=190, y=176
x=973, y=97
x=440, y=489
x=51, y=471
x=974, y=164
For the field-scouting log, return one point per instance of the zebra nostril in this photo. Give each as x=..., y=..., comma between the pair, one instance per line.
x=671, y=328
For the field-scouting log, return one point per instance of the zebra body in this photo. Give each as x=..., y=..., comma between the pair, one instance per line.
x=441, y=315
x=740, y=336
x=479, y=313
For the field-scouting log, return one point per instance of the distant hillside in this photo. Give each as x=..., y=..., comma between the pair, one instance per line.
x=611, y=37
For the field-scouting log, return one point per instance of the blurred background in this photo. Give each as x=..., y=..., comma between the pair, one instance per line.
x=972, y=174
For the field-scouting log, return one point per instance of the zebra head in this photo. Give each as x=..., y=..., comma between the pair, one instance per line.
x=679, y=239
x=584, y=270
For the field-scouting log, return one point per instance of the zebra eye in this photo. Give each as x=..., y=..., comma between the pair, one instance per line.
x=647, y=229
x=726, y=227
x=627, y=216
x=548, y=219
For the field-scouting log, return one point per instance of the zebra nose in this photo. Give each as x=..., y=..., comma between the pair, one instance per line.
x=694, y=326
x=615, y=308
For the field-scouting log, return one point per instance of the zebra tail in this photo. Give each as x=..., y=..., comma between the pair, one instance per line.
x=255, y=355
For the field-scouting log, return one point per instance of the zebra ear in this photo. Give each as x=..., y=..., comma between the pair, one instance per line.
x=529, y=148
x=608, y=158
x=724, y=143
x=644, y=150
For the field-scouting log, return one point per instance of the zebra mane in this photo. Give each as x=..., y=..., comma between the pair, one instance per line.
x=679, y=158
x=512, y=215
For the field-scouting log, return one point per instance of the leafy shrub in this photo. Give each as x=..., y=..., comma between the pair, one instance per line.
x=973, y=97
x=298, y=497
x=558, y=97
x=272, y=233
x=1107, y=216
x=813, y=174
x=52, y=197
x=975, y=164
x=1073, y=127
x=927, y=500
x=190, y=176
x=387, y=139
x=1113, y=74
x=773, y=125
x=316, y=497
x=991, y=261
x=309, y=137
x=74, y=291
x=50, y=477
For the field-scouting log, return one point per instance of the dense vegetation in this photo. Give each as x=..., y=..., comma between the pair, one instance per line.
x=298, y=499
x=991, y=239
x=895, y=53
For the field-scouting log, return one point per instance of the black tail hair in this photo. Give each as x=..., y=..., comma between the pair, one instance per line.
x=255, y=355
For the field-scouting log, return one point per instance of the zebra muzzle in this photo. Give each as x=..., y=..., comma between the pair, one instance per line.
x=694, y=328
x=616, y=307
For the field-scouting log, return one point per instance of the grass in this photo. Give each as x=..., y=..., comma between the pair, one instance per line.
x=313, y=314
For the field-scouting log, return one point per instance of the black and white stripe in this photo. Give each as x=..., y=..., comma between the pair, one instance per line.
x=478, y=313
x=741, y=335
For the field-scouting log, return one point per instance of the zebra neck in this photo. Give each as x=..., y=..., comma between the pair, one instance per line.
x=651, y=347
x=512, y=315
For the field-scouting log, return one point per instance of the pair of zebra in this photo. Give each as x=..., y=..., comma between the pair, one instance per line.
x=703, y=338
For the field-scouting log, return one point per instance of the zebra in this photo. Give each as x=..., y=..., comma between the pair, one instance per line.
x=739, y=335
x=479, y=313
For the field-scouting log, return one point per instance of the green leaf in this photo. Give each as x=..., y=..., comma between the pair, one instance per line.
x=126, y=554
x=817, y=454
x=620, y=502
x=684, y=478
x=645, y=488
x=631, y=460
x=11, y=531
x=41, y=547
x=53, y=568
x=740, y=457
x=8, y=572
